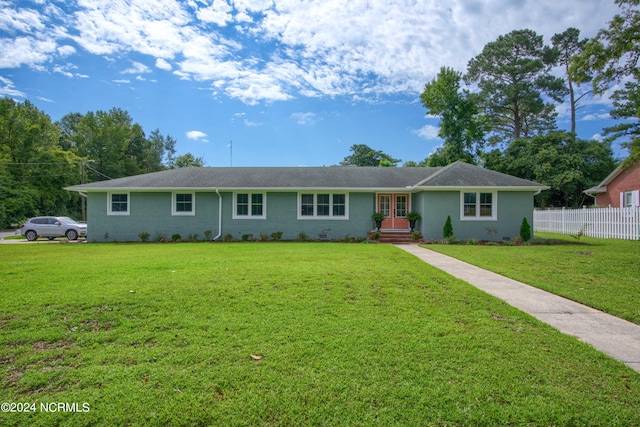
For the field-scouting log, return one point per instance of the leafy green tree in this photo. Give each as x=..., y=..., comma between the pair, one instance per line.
x=525, y=230
x=569, y=45
x=512, y=73
x=447, y=230
x=461, y=126
x=363, y=155
x=34, y=169
x=612, y=56
x=566, y=164
x=187, y=160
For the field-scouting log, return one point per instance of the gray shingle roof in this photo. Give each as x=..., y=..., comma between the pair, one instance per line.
x=345, y=177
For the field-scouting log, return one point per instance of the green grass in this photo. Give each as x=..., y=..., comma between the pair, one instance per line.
x=601, y=273
x=352, y=334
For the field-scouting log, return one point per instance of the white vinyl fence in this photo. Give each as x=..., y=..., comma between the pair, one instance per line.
x=608, y=223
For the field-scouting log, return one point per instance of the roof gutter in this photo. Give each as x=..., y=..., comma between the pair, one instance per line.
x=219, y=215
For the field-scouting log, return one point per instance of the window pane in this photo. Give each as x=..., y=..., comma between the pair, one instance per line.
x=306, y=204
x=184, y=202
x=385, y=205
x=338, y=205
x=118, y=202
x=469, y=204
x=401, y=206
x=242, y=204
x=486, y=204
x=323, y=204
x=256, y=204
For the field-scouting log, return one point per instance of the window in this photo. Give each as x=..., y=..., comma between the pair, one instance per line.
x=249, y=206
x=306, y=205
x=183, y=204
x=323, y=206
x=627, y=199
x=479, y=206
x=118, y=204
x=339, y=206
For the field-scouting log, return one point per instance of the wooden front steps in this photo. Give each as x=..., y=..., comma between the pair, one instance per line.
x=394, y=236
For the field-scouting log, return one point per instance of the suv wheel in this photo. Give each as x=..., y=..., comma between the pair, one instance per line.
x=31, y=235
x=72, y=235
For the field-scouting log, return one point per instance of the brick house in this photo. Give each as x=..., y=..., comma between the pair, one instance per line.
x=620, y=189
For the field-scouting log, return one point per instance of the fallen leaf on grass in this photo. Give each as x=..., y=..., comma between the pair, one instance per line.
x=257, y=356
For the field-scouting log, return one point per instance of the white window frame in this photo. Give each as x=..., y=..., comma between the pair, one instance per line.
x=331, y=216
x=477, y=217
x=249, y=214
x=174, y=203
x=110, y=205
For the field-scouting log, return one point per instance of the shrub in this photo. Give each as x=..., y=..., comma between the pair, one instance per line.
x=193, y=237
x=472, y=241
x=208, y=234
x=375, y=235
x=447, y=231
x=144, y=236
x=276, y=235
x=491, y=231
x=525, y=230
x=176, y=237
x=302, y=236
x=415, y=235
x=228, y=238
x=245, y=237
x=264, y=237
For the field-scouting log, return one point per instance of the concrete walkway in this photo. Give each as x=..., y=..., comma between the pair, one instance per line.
x=618, y=338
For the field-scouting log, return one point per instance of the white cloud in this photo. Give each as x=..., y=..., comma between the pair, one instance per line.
x=7, y=88
x=428, y=132
x=218, y=13
x=250, y=124
x=122, y=81
x=197, y=135
x=66, y=50
x=276, y=50
x=136, y=68
x=163, y=64
x=305, y=118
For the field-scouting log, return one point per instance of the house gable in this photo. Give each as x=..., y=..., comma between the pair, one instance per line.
x=622, y=185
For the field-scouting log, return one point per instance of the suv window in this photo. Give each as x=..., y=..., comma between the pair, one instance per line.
x=40, y=221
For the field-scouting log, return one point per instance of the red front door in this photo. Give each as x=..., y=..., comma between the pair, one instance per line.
x=395, y=208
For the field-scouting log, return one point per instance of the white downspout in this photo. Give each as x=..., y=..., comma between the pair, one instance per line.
x=219, y=215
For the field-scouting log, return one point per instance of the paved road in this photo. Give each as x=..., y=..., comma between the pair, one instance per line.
x=618, y=338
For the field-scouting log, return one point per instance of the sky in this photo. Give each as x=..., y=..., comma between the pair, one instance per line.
x=271, y=82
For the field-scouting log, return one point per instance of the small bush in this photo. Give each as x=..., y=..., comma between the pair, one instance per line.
x=208, y=234
x=176, y=237
x=245, y=237
x=193, y=237
x=144, y=236
x=264, y=237
x=415, y=235
x=525, y=230
x=302, y=236
x=276, y=235
x=472, y=241
x=447, y=230
x=375, y=235
x=228, y=238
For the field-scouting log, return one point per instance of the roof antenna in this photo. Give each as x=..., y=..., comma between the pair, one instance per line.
x=231, y=153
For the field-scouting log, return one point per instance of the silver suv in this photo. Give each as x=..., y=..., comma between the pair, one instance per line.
x=52, y=227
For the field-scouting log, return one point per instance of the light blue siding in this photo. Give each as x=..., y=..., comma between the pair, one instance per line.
x=437, y=205
x=150, y=212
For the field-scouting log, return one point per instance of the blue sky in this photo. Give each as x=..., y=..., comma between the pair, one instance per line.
x=291, y=83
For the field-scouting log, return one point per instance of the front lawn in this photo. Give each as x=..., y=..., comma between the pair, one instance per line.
x=349, y=334
x=601, y=273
